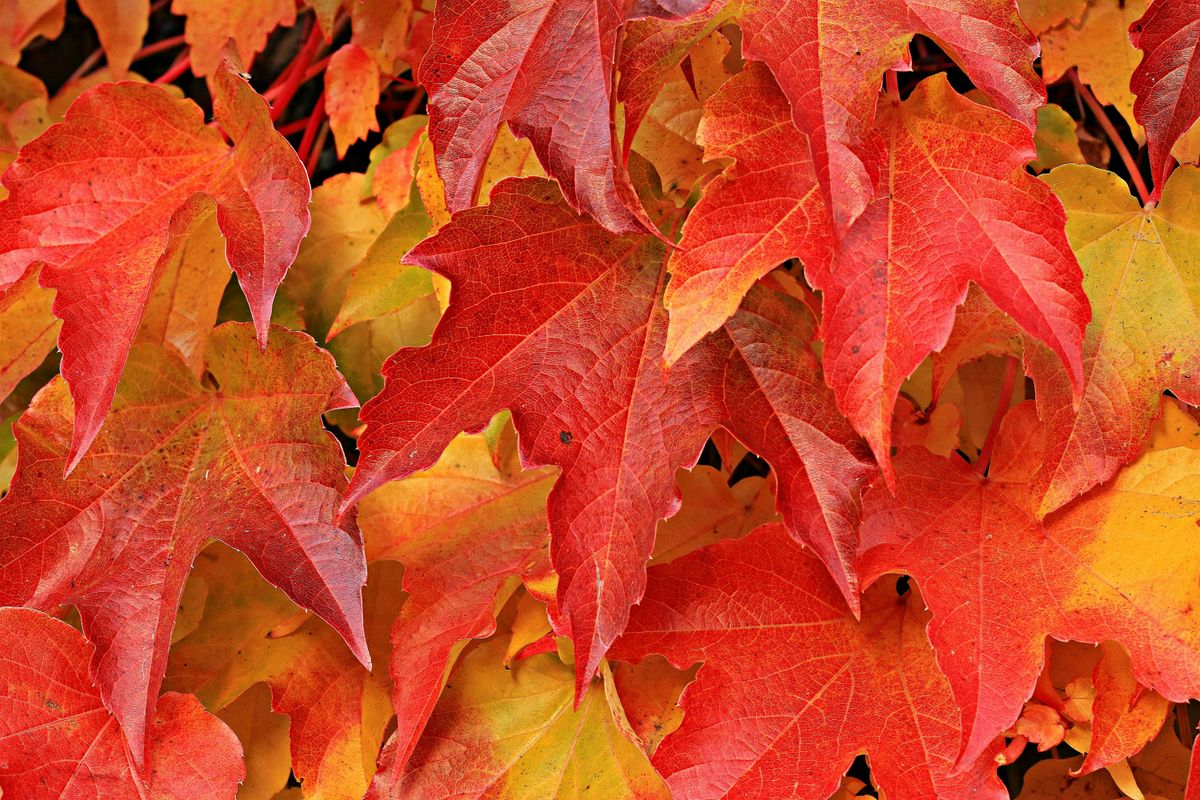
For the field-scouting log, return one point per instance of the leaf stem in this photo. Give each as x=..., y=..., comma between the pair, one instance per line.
x=892, y=82
x=1006, y=392
x=1011, y=753
x=296, y=74
x=1113, y=136
x=310, y=130
x=181, y=65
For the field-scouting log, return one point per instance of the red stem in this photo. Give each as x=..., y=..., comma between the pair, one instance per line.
x=315, y=156
x=293, y=127
x=413, y=102
x=1013, y=751
x=159, y=46
x=1006, y=392
x=181, y=65
x=310, y=129
x=1114, y=138
x=313, y=71
x=296, y=76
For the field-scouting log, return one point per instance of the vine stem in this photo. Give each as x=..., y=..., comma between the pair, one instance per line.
x=1013, y=751
x=310, y=129
x=308, y=51
x=1113, y=136
x=151, y=49
x=1006, y=392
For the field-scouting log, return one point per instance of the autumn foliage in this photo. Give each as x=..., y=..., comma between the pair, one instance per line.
x=637, y=399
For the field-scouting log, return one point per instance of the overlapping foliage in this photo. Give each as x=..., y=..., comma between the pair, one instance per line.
x=635, y=399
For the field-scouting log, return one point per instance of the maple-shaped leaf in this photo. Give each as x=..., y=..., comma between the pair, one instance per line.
x=562, y=322
x=465, y=530
x=103, y=210
x=251, y=633
x=1142, y=273
x=546, y=68
x=240, y=456
x=783, y=660
x=512, y=733
x=59, y=742
x=960, y=208
x=999, y=582
x=1167, y=82
x=830, y=57
x=764, y=209
x=1056, y=139
x=213, y=23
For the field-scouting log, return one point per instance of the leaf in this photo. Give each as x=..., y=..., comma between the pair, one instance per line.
x=121, y=26
x=561, y=322
x=1056, y=140
x=179, y=462
x=30, y=329
x=1167, y=82
x=1122, y=717
x=1042, y=15
x=783, y=661
x=58, y=741
x=183, y=309
x=512, y=733
x=466, y=530
x=212, y=23
x=890, y=297
x=712, y=510
x=762, y=210
x=546, y=68
x=22, y=21
x=264, y=738
x=104, y=238
x=1143, y=277
x=251, y=633
x=1160, y=771
x=830, y=57
x=1098, y=46
x=999, y=582
x=351, y=94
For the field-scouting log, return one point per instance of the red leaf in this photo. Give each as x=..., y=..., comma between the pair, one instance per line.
x=562, y=322
x=546, y=68
x=104, y=198
x=792, y=687
x=999, y=582
x=830, y=57
x=247, y=463
x=959, y=208
x=351, y=94
x=58, y=742
x=1167, y=82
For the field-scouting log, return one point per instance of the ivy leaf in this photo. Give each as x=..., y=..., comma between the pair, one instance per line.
x=890, y=296
x=778, y=645
x=513, y=733
x=351, y=94
x=465, y=530
x=104, y=211
x=212, y=23
x=546, y=68
x=830, y=57
x=562, y=322
x=1167, y=82
x=980, y=554
x=241, y=456
x=57, y=740
x=121, y=26
x=251, y=633
x=1141, y=272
